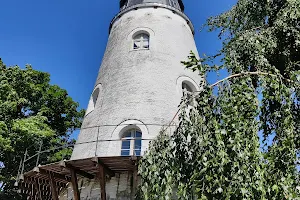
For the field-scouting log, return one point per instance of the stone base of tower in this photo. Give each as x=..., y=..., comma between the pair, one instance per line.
x=118, y=187
x=105, y=178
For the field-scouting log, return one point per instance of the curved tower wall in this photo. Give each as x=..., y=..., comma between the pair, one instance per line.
x=138, y=87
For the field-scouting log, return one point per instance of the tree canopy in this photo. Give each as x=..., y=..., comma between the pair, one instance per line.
x=216, y=151
x=32, y=112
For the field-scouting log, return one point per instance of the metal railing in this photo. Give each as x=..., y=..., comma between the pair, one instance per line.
x=26, y=162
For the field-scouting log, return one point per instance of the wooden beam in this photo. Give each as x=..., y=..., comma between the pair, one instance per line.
x=53, y=187
x=55, y=175
x=37, y=190
x=102, y=179
x=28, y=191
x=46, y=184
x=107, y=170
x=34, y=192
x=135, y=181
x=74, y=182
x=78, y=171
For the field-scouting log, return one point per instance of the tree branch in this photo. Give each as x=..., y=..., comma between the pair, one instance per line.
x=227, y=78
x=249, y=73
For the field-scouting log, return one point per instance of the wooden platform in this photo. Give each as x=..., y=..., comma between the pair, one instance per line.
x=47, y=181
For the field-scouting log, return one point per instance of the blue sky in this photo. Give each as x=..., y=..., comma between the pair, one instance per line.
x=67, y=38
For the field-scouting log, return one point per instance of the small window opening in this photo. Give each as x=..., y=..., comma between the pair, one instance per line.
x=187, y=90
x=186, y=87
x=141, y=41
x=173, y=3
x=123, y=4
x=95, y=96
x=93, y=100
x=131, y=143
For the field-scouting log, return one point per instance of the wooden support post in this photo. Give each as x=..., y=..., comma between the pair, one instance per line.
x=77, y=170
x=37, y=190
x=33, y=192
x=55, y=175
x=102, y=182
x=53, y=187
x=135, y=181
x=106, y=169
x=75, y=184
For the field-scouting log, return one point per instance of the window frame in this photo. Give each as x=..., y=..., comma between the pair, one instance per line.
x=141, y=40
x=188, y=89
x=131, y=135
x=173, y=4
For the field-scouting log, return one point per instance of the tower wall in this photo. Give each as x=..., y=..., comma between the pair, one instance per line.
x=138, y=86
x=117, y=188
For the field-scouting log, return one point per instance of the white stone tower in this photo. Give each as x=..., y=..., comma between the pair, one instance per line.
x=137, y=92
x=139, y=85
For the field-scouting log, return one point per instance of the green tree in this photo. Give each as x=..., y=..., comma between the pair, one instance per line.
x=216, y=152
x=32, y=112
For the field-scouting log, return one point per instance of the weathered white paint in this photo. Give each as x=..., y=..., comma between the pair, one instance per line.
x=138, y=84
x=138, y=88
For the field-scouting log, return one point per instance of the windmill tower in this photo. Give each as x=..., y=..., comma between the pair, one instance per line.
x=138, y=88
x=137, y=92
x=139, y=85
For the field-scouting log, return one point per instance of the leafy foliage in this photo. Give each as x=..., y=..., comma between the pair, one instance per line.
x=216, y=152
x=32, y=111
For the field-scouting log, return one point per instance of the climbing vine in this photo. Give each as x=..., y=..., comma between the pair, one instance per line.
x=238, y=138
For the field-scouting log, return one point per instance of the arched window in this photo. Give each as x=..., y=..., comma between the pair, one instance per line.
x=188, y=88
x=131, y=143
x=95, y=96
x=185, y=86
x=141, y=41
x=94, y=100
